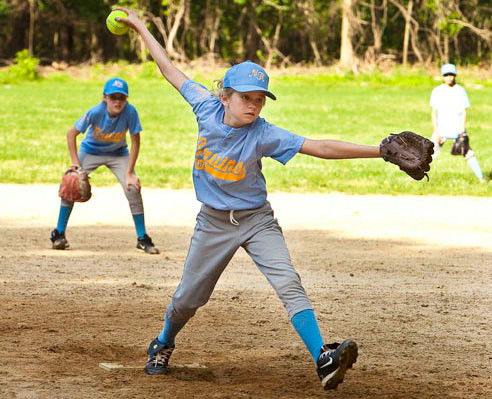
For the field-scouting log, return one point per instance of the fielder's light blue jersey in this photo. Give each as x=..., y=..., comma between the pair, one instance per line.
x=106, y=135
x=227, y=170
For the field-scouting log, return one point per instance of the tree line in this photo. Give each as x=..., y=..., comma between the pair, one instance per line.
x=273, y=32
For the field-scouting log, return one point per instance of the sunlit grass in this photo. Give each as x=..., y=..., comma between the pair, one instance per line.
x=361, y=109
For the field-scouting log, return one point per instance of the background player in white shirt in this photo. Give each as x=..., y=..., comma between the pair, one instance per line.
x=449, y=103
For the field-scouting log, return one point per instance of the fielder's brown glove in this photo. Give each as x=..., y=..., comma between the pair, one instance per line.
x=75, y=186
x=410, y=151
x=461, y=145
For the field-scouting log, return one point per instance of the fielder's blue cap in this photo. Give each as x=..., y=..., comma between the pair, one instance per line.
x=247, y=76
x=448, y=69
x=115, y=85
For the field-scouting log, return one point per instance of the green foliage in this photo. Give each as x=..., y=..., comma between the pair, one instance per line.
x=24, y=68
x=4, y=10
x=451, y=28
x=149, y=70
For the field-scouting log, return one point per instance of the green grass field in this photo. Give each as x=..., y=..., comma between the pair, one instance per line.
x=36, y=116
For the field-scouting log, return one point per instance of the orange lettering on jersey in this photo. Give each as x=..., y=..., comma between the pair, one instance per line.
x=203, y=92
x=215, y=165
x=230, y=165
x=199, y=145
x=114, y=137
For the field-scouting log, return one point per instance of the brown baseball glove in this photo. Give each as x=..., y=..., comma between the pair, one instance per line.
x=75, y=186
x=461, y=145
x=410, y=151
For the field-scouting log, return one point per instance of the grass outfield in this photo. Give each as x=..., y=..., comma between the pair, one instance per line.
x=36, y=116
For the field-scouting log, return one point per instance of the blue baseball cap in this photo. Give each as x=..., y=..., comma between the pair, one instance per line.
x=247, y=76
x=447, y=69
x=115, y=85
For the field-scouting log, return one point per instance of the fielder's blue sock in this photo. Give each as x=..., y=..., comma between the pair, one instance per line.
x=169, y=332
x=475, y=166
x=63, y=217
x=306, y=325
x=139, y=225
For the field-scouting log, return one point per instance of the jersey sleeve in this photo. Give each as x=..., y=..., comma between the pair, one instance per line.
x=84, y=121
x=279, y=144
x=199, y=97
x=134, y=125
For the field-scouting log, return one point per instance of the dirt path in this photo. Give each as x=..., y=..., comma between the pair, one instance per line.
x=412, y=288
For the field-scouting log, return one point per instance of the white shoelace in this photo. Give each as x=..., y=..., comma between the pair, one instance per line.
x=163, y=356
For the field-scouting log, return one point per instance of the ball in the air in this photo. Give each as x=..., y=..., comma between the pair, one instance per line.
x=115, y=27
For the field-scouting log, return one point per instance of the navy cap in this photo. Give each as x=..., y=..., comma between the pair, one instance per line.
x=247, y=76
x=115, y=85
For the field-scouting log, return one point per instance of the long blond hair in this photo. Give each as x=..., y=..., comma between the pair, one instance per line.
x=219, y=89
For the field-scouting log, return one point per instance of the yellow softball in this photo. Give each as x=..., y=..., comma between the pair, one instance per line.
x=115, y=27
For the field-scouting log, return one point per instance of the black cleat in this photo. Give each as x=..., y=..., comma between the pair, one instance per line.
x=334, y=361
x=159, y=355
x=58, y=239
x=147, y=245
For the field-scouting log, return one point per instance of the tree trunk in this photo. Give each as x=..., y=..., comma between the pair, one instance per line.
x=93, y=46
x=347, y=58
x=207, y=22
x=174, y=31
x=32, y=10
x=214, y=32
x=406, y=35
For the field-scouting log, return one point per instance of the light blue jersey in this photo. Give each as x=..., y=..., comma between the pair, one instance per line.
x=106, y=135
x=227, y=170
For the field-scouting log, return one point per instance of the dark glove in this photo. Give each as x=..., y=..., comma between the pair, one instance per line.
x=410, y=151
x=461, y=145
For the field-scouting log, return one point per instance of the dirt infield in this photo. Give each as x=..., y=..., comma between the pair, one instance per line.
x=413, y=289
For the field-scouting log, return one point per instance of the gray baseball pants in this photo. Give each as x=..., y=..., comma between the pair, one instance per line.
x=217, y=237
x=118, y=165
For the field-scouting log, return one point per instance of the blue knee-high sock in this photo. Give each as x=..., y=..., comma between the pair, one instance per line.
x=306, y=325
x=139, y=225
x=169, y=332
x=63, y=217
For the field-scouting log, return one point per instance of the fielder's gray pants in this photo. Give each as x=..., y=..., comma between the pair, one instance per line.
x=216, y=239
x=118, y=165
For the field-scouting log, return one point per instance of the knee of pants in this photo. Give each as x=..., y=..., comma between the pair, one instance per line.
x=469, y=155
x=292, y=294
x=66, y=203
x=135, y=201
x=180, y=313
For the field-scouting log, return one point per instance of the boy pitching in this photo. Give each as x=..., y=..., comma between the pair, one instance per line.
x=105, y=144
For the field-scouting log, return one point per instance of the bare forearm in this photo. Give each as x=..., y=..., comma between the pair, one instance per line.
x=434, y=119
x=134, y=151
x=332, y=149
x=72, y=145
x=167, y=68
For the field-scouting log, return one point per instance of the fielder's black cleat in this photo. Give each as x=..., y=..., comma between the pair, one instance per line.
x=334, y=361
x=147, y=245
x=159, y=355
x=58, y=239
